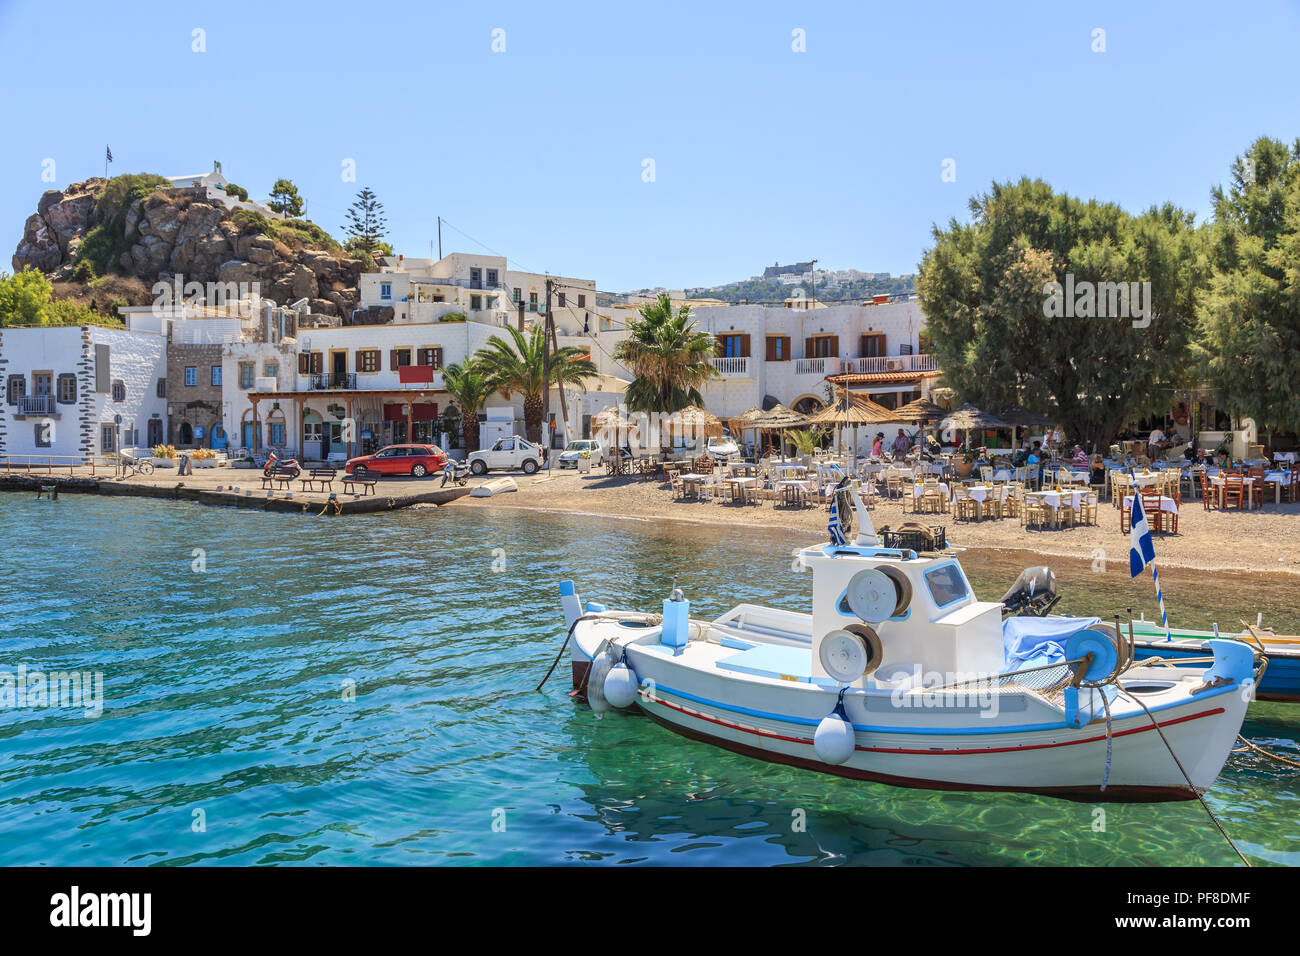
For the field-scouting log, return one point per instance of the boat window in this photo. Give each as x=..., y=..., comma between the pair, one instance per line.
x=946, y=584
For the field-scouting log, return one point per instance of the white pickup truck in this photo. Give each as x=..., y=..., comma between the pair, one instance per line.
x=507, y=454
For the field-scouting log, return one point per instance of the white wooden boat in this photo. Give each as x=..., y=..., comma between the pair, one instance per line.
x=900, y=675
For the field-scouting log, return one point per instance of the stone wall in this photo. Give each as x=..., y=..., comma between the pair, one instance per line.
x=197, y=405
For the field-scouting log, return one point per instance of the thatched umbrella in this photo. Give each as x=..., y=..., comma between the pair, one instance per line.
x=968, y=417
x=852, y=410
x=744, y=422
x=696, y=420
x=1017, y=416
x=919, y=412
x=780, y=419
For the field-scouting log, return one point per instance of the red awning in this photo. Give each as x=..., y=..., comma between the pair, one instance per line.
x=393, y=412
x=424, y=411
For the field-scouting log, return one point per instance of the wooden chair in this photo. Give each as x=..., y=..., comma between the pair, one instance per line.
x=1233, y=490
x=1088, y=506
x=1151, y=506
x=1209, y=491
x=1035, y=511
x=1014, y=500
x=932, y=498
x=963, y=505
x=678, y=486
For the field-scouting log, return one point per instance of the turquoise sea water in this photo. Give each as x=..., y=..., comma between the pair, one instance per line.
x=228, y=734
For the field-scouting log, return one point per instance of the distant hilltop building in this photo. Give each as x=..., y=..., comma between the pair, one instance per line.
x=215, y=184
x=776, y=270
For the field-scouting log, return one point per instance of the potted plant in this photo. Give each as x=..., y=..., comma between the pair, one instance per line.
x=584, y=462
x=204, y=458
x=245, y=462
x=965, y=463
x=164, y=456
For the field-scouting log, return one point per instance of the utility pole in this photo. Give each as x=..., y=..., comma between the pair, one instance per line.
x=546, y=370
x=439, y=238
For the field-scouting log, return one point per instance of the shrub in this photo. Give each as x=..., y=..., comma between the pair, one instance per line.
x=453, y=317
x=238, y=192
x=307, y=233
x=164, y=451
x=250, y=220
x=105, y=242
x=203, y=454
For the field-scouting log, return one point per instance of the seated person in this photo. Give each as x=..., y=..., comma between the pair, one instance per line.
x=1097, y=470
x=1080, y=457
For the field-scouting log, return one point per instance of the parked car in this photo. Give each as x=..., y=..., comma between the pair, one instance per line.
x=591, y=447
x=507, y=454
x=721, y=448
x=414, y=460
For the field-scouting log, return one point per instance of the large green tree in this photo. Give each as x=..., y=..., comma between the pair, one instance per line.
x=285, y=199
x=366, y=223
x=1004, y=334
x=469, y=385
x=517, y=366
x=668, y=357
x=1250, y=314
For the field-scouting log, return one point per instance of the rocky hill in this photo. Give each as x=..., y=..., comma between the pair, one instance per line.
x=128, y=233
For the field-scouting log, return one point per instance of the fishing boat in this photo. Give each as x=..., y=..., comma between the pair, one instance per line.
x=898, y=674
x=1182, y=647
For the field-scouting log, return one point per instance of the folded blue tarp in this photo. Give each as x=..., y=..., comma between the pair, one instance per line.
x=1024, y=638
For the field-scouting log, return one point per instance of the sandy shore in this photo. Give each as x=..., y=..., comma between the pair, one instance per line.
x=1264, y=540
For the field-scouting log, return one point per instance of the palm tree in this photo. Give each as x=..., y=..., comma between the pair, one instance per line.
x=469, y=386
x=516, y=366
x=669, y=360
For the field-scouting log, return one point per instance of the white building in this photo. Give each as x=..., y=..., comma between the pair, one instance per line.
x=215, y=185
x=79, y=392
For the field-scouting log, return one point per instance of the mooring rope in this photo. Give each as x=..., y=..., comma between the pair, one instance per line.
x=1199, y=795
x=1265, y=753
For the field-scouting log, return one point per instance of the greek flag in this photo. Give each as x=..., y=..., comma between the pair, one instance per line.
x=1142, y=552
x=108, y=154
x=835, y=528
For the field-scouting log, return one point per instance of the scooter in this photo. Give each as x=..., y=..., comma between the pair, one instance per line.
x=273, y=462
x=456, y=472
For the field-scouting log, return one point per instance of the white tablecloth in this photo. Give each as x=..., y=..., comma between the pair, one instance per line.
x=1166, y=504
x=917, y=490
x=981, y=492
x=1053, y=499
x=1284, y=456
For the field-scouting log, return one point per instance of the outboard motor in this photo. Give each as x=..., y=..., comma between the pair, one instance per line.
x=1033, y=594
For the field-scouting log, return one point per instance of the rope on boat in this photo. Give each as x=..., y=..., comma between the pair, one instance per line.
x=1105, y=775
x=1199, y=796
x=567, y=637
x=1265, y=753
x=649, y=619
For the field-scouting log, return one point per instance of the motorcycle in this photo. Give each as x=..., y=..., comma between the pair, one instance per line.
x=456, y=472
x=272, y=462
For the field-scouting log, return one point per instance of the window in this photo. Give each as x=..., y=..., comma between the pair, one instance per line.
x=107, y=439
x=44, y=432
x=561, y=300
x=191, y=375
x=246, y=372
x=368, y=360
x=385, y=290
x=67, y=393
x=17, y=389
x=582, y=301
x=822, y=346
x=476, y=302
x=119, y=391
x=492, y=278
x=532, y=302
x=398, y=358
x=946, y=584
x=733, y=346
x=778, y=348
x=430, y=356
x=438, y=298
x=161, y=389
x=517, y=296
x=606, y=324
x=276, y=431
x=216, y=375
x=476, y=278
x=271, y=369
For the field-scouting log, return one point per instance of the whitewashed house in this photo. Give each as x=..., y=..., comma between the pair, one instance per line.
x=74, y=393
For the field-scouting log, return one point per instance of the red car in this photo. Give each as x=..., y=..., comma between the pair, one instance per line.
x=414, y=460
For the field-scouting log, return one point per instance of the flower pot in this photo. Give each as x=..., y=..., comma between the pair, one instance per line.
x=584, y=466
x=164, y=462
x=964, y=468
x=204, y=462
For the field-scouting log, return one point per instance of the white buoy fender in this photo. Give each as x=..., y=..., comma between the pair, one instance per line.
x=620, y=686
x=834, y=740
x=596, y=684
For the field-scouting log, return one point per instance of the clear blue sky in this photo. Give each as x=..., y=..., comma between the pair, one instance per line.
x=761, y=154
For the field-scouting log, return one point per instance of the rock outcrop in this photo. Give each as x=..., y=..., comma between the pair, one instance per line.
x=180, y=232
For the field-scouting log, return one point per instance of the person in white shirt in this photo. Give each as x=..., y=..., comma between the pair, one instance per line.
x=1154, y=448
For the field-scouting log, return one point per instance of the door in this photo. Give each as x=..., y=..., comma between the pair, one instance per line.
x=335, y=444
x=502, y=454
x=247, y=435
x=218, y=436
x=154, y=432
x=339, y=366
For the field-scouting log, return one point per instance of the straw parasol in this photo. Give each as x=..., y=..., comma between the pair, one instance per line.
x=1017, y=416
x=852, y=410
x=968, y=417
x=779, y=419
x=919, y=412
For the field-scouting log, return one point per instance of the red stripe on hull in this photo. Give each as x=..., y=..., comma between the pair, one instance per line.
x=1112, y=794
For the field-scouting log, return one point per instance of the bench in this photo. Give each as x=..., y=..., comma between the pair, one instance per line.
x=367, y=484
x=280, y=475
x=319, y=476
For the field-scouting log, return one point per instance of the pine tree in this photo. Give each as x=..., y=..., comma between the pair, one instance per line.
x=366, y=223
x=285, y=199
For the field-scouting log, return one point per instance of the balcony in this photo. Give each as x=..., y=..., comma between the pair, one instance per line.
x=327, y=380
x=822, y=367
x=733, y=367
x=36, y=405
x=890, y=363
